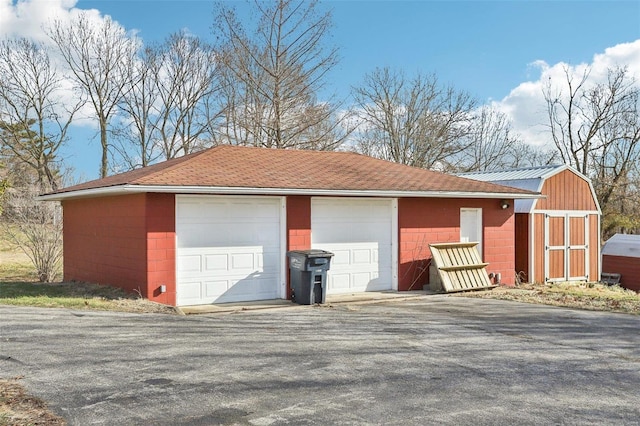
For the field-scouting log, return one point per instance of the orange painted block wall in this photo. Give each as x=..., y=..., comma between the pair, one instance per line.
x=424, y=221
x=298, y=227
x=126, y=241
x=161, y=248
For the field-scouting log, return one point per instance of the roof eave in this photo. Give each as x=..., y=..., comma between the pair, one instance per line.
x=132, y=189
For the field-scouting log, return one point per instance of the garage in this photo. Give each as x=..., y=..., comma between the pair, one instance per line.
x=214, y=226
x=360, y=233
x=228, y=249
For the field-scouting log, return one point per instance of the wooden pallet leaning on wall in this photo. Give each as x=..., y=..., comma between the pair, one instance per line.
x=459, y=267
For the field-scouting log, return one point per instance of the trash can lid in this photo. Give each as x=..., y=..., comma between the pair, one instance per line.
x=311, y=253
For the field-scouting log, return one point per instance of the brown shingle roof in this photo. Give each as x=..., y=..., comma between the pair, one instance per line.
x=246, y=167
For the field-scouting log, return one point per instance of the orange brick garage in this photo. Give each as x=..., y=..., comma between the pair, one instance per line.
x=129, y=241
x=210, y=243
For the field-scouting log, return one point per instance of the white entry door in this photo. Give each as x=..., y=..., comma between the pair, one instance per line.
x=360, y=234
x=471, y=227
x=228, y=249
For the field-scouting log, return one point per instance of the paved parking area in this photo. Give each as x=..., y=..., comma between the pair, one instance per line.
x=434, y=360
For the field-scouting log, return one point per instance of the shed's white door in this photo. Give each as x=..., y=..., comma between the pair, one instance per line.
x=359, y=233
x=228, y=249
x=566, y=246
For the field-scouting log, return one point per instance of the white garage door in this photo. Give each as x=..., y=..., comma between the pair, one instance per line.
x=359, y=233
x=228, y=249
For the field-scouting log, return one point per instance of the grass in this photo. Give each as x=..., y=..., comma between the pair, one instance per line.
x=578, y=295
x=17, y=271
x=18, y=287
x=76, y=296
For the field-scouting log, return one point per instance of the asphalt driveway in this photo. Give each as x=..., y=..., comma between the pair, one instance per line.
x=439, y=360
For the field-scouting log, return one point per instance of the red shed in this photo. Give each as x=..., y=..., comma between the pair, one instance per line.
x=215, y=226
x=557, y=237
x=621, y=255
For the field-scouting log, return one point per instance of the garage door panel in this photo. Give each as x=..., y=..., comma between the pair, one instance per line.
x=361, y=279
x=266, y=237
x=216, y=262
x=359, y=233
x=190, y=211
x=362, y=256
x=213, y=288
x=259, y=211
x=340, y=257
x=350, y=232
x=338, y=281
x=190, y=263
x=243, y=261
x=191, y=289
x=255, y=286
x=228, y=249
x=227, y=234
x=269, y=262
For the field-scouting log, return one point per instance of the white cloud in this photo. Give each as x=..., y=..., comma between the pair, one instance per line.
x=30, y=19
x=26, y=18
x=525, y=104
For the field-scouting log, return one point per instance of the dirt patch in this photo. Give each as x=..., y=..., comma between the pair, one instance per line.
x=17, y=408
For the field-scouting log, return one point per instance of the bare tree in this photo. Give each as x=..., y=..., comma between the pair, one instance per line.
x=137, y=142
x=33, y=116
x=98, y=54
x=492, y=145
x=185, y=71
x=36, y=228
x=570, y=127
x=167, y=106
x=526, y=155
x=414, y=121
x=596, y=129
x=4, y=186
x=272, y=75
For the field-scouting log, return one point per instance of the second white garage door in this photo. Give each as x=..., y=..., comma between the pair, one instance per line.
x=228, y=249
x=360, y=234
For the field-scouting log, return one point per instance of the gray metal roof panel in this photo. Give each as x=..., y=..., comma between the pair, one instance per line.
x=539, y=172
x=626, y=245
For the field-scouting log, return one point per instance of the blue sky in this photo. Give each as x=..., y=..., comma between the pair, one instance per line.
x=484, y=47
x=498, y=51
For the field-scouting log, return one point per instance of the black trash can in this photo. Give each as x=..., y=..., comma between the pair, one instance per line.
x=308, y=275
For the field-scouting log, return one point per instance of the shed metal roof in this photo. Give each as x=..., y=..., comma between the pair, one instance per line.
x=527, y=178
x=527, y=173
x=626, y=245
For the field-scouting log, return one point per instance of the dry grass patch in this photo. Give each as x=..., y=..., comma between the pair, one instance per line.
x=589, y=296
x=17, y=408
x=77, y=295
x=19, y=287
